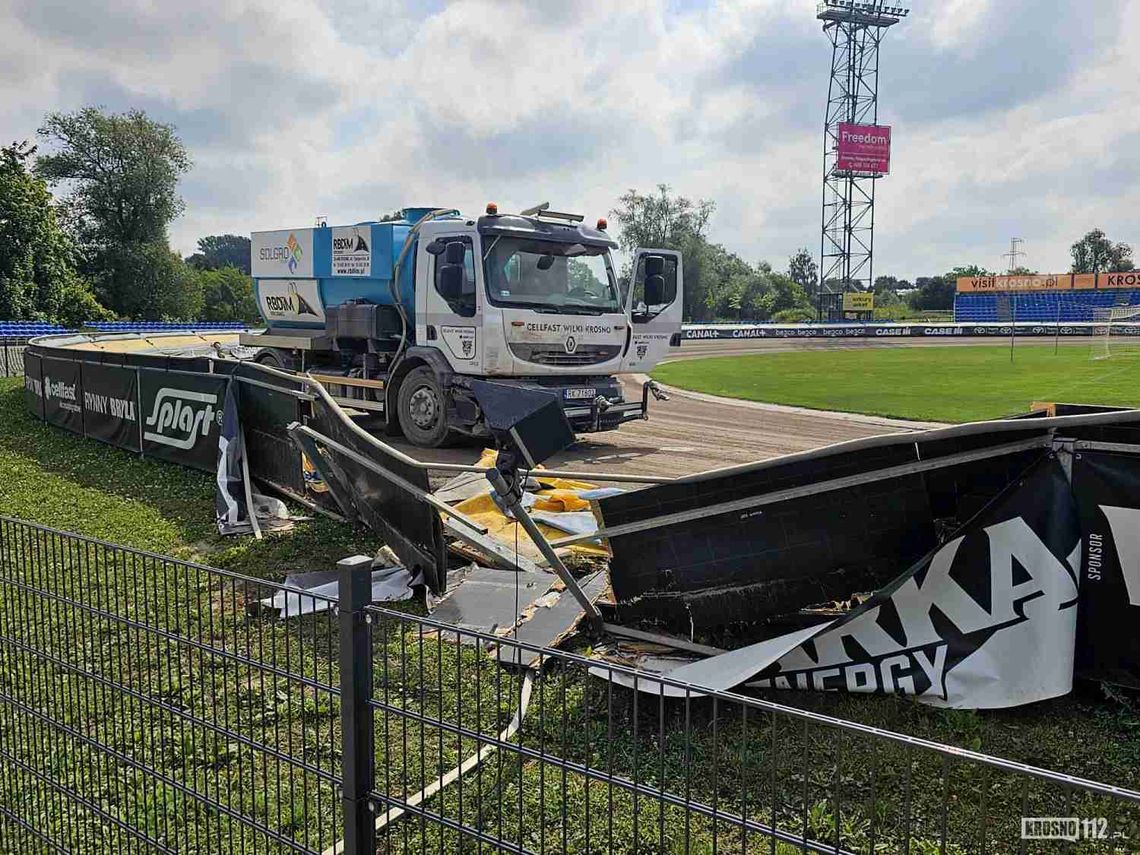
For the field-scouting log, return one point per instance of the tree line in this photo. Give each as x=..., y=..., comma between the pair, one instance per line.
x=98, y=247
x=1093, y=253
x=84, y=236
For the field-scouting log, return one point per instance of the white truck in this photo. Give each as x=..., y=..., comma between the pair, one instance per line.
x=398, y=316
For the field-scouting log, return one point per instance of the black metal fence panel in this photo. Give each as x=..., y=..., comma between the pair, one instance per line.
x=590, y=765
x=12, y=356
x=154, y=705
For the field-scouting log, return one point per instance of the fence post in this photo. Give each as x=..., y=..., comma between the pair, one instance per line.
x=358, y=756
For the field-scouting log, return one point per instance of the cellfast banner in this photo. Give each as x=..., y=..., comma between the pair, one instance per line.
x=63, y=394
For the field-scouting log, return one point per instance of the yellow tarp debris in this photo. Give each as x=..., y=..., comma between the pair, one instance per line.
x=558, y=495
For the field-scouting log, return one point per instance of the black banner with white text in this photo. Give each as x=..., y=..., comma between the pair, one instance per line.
x=1107, y=490
x=110, y=404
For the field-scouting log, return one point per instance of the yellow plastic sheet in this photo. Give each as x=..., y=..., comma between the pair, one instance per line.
x=558, y=495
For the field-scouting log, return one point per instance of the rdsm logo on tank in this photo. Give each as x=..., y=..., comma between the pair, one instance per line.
x=179, y=418
x=289, y=302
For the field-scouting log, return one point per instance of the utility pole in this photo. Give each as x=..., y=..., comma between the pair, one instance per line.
x=1015, y=252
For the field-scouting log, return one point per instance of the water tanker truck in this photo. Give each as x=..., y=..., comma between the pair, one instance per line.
x=397, y=317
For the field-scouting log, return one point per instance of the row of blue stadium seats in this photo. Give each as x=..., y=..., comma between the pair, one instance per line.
x=40, y=328
x=1067, y=306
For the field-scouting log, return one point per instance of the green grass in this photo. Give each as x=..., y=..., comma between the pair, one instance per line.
x=746, y=763
x=944, y=384
x=58, y=479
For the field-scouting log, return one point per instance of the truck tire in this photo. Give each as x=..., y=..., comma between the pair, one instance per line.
x=273, y=358
x=422, y=408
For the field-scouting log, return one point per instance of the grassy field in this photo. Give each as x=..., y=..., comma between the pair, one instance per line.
x=945, y=384
x=754, y=764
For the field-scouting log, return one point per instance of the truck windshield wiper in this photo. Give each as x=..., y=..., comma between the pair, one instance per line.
x=579, y=309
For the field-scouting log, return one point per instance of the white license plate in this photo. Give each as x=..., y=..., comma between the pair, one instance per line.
x=580, y=394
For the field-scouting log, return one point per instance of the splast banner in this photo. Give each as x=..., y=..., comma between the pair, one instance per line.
x=988, y=620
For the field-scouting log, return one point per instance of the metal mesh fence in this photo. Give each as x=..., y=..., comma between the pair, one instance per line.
x=155, y=705
x=12, y=356
x=595, y=766
x=150, y=705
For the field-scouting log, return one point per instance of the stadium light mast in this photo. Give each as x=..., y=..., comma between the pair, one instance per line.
x=855, y=29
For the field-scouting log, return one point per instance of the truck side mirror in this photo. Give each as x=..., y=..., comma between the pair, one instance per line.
x=450, y=279
x=654, y=289
x=455, y=252
x=435, y=248
x=654, y=266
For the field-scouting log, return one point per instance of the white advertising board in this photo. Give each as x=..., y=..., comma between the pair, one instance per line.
x=290, y=300
x=288, y=252
x=352, y=251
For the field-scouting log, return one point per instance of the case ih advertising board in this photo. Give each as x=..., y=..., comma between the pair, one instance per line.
x=863, y=149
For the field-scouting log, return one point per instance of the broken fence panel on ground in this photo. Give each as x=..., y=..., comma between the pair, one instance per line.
x=462, y=750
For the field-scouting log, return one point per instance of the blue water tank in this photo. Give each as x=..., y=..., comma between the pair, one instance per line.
x=298, y=273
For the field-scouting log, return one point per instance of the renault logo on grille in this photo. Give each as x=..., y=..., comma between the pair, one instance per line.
x=571, y=344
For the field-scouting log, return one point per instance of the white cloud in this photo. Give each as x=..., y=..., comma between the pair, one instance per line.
x=349, y=108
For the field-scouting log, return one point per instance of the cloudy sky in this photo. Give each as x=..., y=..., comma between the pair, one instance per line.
x=1011, y=117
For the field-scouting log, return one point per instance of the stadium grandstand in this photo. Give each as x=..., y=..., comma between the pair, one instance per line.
x=31, y=329
x=1064, y=297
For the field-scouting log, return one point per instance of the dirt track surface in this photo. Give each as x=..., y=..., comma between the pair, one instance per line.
x=688, y=434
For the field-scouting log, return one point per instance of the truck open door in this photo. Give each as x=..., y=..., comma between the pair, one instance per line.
x=654, y=304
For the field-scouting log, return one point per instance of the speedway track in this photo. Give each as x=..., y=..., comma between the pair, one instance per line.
x=691, y=433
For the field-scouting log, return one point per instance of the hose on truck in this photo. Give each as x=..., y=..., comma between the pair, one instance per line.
x=394, y=284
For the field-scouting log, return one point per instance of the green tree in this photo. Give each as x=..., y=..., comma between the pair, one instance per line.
x=784, y=294
x=122, y=171
x=803, y=271
x=934, y=292
x=218, y=251
x=151, y=282
x=121, y=175
x=663, y=220
x=227, y=295
x=1095, y=253
x=38, y=280
x=969, y=271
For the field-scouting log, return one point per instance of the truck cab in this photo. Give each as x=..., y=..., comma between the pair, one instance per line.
x=437, y=299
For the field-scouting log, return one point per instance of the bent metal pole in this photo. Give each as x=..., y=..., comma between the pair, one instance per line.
x=513, y=500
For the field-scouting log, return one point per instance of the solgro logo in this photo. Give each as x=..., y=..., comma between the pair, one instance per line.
x=291, y=252
x=295, y=252
x=179, y=417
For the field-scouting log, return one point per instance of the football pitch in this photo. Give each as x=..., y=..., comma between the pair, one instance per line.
x=944, y=384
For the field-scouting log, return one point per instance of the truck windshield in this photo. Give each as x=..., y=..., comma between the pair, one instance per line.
x=550, y=276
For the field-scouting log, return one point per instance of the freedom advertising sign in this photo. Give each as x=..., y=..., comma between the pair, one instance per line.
x=864, y=149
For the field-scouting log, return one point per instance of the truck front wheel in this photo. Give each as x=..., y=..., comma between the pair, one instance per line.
x=422, y=408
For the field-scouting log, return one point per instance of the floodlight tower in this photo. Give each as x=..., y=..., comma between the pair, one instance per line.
x=855, y=29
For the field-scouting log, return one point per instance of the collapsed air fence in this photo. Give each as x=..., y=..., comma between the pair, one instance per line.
x=154, y=704
x=150, y=704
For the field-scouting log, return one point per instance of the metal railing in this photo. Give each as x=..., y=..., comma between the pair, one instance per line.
x=12, y=356
x=595, y=766
x=147, y=705
x=155, y=705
